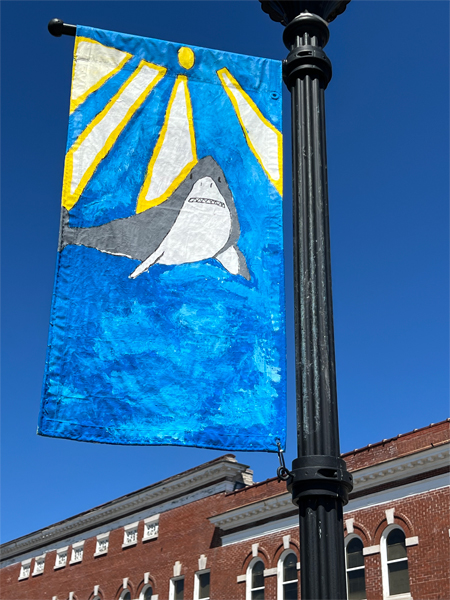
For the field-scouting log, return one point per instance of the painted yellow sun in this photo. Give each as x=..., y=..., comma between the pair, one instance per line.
x=186, y=57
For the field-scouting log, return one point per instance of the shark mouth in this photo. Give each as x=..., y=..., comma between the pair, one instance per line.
x=207, y=201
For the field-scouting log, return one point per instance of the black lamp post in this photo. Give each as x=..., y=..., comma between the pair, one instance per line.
x=319, y=480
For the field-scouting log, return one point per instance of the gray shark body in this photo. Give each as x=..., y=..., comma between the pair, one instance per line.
x=198, y=221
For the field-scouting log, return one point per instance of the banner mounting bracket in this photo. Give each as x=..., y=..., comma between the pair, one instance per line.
x=57, y=27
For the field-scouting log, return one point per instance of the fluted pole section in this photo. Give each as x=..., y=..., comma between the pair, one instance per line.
x=319, y=481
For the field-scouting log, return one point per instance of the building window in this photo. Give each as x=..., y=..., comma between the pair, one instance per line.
x=39, y=564
x=61, y=558
x=177, y=588
x=125, y=595
x=287, y=576
x=151, y=526
x=394, y=563
x=146, y=593
x=25, y=569
x=255, y=580
x=77, y=552
x=102, y=544
x=130, y=535
x=354, y=563
x=201, y=585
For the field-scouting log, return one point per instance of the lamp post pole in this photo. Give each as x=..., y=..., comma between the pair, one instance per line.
x=319, y=480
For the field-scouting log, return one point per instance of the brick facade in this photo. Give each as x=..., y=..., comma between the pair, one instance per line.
x=215, y=518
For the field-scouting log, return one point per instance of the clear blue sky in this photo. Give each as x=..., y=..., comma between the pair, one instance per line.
x=388, y=142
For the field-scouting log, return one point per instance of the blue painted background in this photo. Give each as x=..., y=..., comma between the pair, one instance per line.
x=184, y=355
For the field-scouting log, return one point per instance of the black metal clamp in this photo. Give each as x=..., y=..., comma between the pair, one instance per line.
x=319, y=476
x=306, y=58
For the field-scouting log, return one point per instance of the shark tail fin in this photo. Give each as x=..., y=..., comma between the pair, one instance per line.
x=63, y=227
x=67, y=235
x=234, y=262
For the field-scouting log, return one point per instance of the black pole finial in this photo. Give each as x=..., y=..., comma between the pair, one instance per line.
x=57, y=27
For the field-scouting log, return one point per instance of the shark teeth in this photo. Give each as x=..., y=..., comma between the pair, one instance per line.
x=207, y=201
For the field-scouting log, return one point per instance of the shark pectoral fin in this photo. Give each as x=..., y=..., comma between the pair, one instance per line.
x=145, y=264
x=234, y=262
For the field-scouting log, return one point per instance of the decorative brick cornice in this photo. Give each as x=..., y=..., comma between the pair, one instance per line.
x=250, y=513
x=390, y=473
x=219, y=475
x=412, y=465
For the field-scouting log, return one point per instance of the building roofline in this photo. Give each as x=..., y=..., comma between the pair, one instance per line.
x=364, y=449
x=393, y=439
x=206, y=476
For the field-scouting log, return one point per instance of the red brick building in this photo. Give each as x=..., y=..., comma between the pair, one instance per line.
x=212, y=533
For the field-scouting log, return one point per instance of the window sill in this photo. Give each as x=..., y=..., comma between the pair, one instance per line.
x=74, y=562
x=37, y=573
x=129, y=544
x=150, y=537
x=406, y=596
x=101, y=553
x=59, y=567
x=23, y=578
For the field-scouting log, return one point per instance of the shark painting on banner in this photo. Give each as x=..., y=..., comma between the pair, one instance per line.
x=168, y=318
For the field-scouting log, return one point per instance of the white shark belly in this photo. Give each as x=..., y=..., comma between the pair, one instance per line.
x=200, y=232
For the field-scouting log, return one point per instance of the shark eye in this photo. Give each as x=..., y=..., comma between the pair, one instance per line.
x=190, y=176
x=218, y=179
x=210, y=185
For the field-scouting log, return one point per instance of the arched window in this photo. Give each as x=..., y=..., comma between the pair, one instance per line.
x=354, y=563
x=287, y=576
x=146, y=593
x=125, y=595
x=395, y=562
x=255, y=580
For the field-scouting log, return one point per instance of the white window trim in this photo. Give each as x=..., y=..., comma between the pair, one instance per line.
x=280, y=571
x=348, y=539
x=384, y=566
x=123, y=592
x=25, y=564
x=197, y=583
x=144, y=589
x=127, y=529
x=172, y=586
x=77, y=546
x=154, y=520
x=38, y=560
x=248, y=579
x=101, y=538
x=60, y=552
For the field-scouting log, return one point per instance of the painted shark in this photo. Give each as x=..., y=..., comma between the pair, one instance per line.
x=197, y=222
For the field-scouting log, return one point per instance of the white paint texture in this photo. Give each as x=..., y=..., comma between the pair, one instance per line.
x=94, y=62
x=176, y=151
x=200, y=231
x=115, y=116
x=263, y=138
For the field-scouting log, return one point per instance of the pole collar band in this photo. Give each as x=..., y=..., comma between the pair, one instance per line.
x=319, y=476
x=307, y=60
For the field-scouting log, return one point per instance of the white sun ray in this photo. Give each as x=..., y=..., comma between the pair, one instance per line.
x=98, y=138
x=93, y=65
x=175, y=151
x=264, y=140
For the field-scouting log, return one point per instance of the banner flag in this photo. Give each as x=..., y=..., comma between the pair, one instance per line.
x=168, y=320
